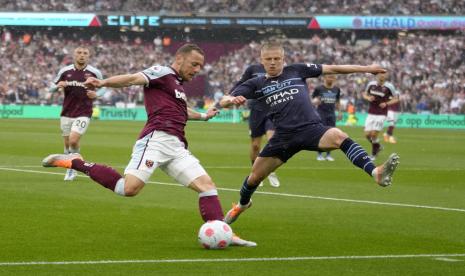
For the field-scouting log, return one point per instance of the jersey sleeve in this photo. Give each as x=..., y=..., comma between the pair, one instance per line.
x=391, y=87
x=245, y=77
x=154, y=73
x=308, y=70
x=247, y=89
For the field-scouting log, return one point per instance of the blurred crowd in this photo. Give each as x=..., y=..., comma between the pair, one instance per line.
x=427, y=69
x=30, y=64
x=265, y=7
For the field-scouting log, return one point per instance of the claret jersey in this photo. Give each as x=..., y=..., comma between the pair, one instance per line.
x=165, y=102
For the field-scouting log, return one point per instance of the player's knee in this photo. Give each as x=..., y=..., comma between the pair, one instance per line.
x=130, y=191
x=74, y=143
x=255, y=148
x=340, y=137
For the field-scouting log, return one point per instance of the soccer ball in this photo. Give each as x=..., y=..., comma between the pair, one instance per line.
x=215, y=234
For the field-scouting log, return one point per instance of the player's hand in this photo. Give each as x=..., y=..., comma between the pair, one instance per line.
x=239, y=100
x=91, y=94
x=212, y=112
x=92, y=83
x=383, y=105
x=370, y=98
x=62, y=84
x=376, y=69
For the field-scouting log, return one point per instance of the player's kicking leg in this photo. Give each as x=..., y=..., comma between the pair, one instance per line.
x=60, y=160
x=262, y=167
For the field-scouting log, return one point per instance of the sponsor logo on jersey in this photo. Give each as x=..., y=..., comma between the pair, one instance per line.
x=281, y=97
x=274, y=87
x=75, y=83
x=377, y=93
x=180, y=94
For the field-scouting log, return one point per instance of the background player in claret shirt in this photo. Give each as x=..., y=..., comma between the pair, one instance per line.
x=391, y=119
x=78, y=102
x=298, y=126
x=259, y=121
x=326, y=97
x=162, y=143
x=380, y=95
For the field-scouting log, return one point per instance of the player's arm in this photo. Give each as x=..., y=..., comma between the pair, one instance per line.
x=117, y=81
x=349, y=69
x=194, y=115
x=240, y=94
x=367, y=96
x=392, y=101
x=395, y=95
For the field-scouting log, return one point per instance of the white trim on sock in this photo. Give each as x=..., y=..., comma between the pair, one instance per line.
x=119, y=187
x=211, y=192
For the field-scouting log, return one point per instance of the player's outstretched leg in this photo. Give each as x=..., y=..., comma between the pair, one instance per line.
x=103, y=175
x=383, y=174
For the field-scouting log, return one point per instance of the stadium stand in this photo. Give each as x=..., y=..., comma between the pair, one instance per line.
x=265, y=7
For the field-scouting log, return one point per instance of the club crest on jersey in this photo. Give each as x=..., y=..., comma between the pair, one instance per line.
x=149, y=163
x=180, y=94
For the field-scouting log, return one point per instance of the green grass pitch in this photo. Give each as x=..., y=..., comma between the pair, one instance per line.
x=327, y=218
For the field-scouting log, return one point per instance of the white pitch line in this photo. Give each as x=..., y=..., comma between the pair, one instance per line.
x=285, y=168
x=285, y=194
x=227, y=260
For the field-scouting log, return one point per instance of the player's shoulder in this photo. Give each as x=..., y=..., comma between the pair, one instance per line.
x=65, y=69
x=303, y=67
x=372, y=83
x=256, y=68
x=390, y=86
x=158, y=71
x=94, y=71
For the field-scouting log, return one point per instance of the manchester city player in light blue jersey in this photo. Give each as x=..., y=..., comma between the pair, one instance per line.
x=298, y=126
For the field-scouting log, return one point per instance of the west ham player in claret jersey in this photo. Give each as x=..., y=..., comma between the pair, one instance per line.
x=78, y=101
x=326, y=98
x=381, y=95
x=391, y=119
x=161, y=143
x=298, y=126
x=259, y=122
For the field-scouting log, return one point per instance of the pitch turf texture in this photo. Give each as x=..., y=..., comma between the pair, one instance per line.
x=327, y=218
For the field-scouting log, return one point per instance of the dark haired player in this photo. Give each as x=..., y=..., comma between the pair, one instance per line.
x=298, y=126
x=326, y=98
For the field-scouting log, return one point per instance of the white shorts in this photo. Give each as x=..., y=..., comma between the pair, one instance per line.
x=392, y=117
x=79, y=125
x=374, y=122
x=160, y=149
